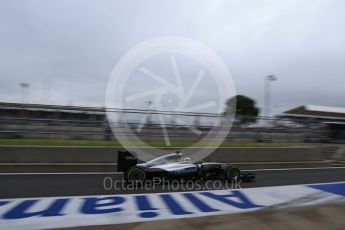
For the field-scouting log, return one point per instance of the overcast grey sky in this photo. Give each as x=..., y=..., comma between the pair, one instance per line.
x=66, y=49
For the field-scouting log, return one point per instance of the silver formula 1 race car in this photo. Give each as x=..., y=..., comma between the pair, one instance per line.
x=175, y=166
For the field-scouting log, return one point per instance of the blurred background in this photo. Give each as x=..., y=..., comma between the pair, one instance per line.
x=286, y=58
x=303, y=124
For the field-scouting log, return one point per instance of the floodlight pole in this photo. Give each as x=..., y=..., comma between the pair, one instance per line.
x=267, y=95
x=25, y=97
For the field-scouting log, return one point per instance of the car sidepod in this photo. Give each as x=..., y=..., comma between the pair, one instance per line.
x=177, y=170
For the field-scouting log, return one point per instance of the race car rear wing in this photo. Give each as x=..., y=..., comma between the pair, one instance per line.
x=125, y=160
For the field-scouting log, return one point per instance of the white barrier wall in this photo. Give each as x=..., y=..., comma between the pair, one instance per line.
x=57, y=212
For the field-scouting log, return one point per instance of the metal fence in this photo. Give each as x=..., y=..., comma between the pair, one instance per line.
x=149, y=125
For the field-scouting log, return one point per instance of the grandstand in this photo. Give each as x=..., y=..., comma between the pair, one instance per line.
x=17, y=110
x=315, y=112
x=330, y=121
x=51, y=121
x=75, y=122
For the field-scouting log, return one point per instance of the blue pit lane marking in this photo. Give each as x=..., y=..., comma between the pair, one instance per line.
x=335, y=188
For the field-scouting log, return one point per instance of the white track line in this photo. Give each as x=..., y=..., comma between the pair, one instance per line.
x=115, y=164
x=294, y=169
x=61, y=173
x=120, y=173
x=165, y=147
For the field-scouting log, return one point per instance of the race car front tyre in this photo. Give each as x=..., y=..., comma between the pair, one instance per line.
x=232, y=173
x=135, y=174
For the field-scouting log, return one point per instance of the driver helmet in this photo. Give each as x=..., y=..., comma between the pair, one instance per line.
x=187, y=159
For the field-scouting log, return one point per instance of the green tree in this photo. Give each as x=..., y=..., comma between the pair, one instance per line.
x=246, y=110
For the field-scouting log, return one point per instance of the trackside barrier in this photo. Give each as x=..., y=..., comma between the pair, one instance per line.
x=58, y=212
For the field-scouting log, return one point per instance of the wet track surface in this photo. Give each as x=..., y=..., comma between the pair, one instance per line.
x=42, y=185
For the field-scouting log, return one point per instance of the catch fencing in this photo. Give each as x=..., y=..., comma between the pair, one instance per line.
x=153, y=125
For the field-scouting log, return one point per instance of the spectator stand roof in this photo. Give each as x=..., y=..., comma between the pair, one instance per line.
x=315, y=112
x=52, y=108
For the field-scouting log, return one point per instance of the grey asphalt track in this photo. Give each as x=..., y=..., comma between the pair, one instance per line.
x=49, y=185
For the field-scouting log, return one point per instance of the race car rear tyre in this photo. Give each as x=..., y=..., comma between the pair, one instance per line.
x=135, y=174
x=232, y=173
